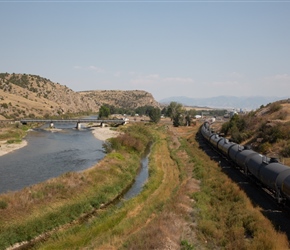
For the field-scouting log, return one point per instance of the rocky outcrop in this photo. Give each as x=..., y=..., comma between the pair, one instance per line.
x=130, y=99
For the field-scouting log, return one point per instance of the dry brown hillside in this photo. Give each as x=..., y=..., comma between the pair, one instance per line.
x=267, y=129
x=23, y=95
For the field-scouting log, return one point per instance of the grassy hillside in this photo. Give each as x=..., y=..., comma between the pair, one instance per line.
x=23, y=95
x=267, y=129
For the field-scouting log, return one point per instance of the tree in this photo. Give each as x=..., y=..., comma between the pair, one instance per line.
x=104, y=111
x=189, y=114
x=188, y=119
x=155, y=115
x=174, y=110
x=178, y=120
x=144, y=110
x=164, y=111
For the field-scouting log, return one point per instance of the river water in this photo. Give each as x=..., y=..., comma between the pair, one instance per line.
x=49, y=154
x=140, y=179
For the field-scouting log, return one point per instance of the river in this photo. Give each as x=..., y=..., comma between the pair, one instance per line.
x=49, y=154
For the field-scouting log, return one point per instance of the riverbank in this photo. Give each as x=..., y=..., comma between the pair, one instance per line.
x=70, y=196
x=6, y=148
x=104, y=133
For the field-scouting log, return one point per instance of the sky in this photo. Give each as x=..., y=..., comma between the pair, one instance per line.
x=187, y=48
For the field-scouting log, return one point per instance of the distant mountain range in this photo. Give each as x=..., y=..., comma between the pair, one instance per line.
x=227, y=102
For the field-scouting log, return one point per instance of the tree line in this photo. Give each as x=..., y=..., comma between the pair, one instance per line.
x=175, y=111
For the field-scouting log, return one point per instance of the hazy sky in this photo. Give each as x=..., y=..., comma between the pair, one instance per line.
x=168, y=48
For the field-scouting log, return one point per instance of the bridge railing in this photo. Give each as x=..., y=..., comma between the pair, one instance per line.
x=118, y=121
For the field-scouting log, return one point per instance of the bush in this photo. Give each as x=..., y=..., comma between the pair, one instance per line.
x=282, y=115
x=274, y=107
x=3, y=204
x=4, y=105
x=286, y=150
x=274, y=133
x=136, y=138
x=265, y=147
x=237, y=128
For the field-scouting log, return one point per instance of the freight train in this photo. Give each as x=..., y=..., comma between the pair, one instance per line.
x=267, y=171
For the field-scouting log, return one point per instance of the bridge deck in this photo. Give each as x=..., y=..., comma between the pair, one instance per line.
x=121, y=121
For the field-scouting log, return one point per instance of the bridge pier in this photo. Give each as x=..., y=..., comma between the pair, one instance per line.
x=79, y=125
x=51, y=125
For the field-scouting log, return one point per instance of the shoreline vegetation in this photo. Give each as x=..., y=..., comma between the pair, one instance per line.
x=12, y=137
x=187, y=202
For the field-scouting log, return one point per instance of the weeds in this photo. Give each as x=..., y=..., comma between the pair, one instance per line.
x=221, y=221
x=186, y=246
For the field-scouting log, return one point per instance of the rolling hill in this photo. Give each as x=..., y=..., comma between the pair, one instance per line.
x=267, y=130
x=24, y=95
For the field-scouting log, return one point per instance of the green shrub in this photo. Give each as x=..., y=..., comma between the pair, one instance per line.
x=135, y=139
x=186, y=246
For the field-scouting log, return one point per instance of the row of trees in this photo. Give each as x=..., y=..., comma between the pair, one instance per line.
x=178, y=115
x=107, y=110
x=154, y=113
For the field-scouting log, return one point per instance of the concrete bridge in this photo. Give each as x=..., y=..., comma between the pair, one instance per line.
x=77, y=121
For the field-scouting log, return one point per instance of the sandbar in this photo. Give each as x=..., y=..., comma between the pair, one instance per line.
x=104, y=133
x=6, y=148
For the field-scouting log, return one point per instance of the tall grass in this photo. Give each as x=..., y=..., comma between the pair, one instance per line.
x=226, y=217
x=13, y=132
x=113, y=226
